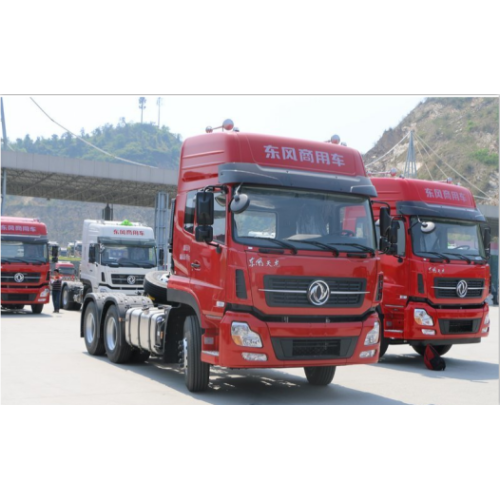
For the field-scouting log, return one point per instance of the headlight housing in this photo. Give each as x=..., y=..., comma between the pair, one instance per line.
x=422, y=318
x=487, y=319
x=373, y=335
x=244, y=336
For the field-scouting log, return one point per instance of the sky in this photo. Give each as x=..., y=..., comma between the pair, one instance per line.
x=359, y=120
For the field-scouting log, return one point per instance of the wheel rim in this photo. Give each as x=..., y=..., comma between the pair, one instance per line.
x=111, y=332
x=65, y=298
x=89, y=327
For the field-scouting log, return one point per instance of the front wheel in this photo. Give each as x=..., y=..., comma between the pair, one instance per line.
x=93, y=342
x=441, y=349
x=319, y=375
x=37, y=308
x=117, y=349
x=65, y=300
x=196, y=372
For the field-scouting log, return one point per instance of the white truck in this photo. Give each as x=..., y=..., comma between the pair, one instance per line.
x=115, y=258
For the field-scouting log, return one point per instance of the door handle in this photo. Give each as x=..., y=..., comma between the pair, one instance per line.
x=195, y=265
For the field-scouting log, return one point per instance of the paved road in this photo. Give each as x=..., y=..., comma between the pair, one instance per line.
x=44, y=361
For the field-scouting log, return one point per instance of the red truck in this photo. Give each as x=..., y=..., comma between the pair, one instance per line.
x=436, y=273
x=25, y=264
x=274, y=264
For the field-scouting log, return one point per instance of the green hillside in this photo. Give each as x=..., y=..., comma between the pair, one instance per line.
x=450, y=133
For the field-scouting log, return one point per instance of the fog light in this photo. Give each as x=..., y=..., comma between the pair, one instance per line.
x=487, y=319
x=253, y=356
x=373, y=334
x=422, y=318
x=367, y=354
x=242, y=335
x=47, y=292
x=485, y=330
x=428, y=332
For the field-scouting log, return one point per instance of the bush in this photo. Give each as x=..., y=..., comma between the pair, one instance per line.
x=484, y=156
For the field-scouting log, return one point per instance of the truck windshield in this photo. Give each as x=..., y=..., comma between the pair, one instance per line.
x=304, y=218
x=449, y=237
x=66, y=271
x=24, y=252
x=128, y=256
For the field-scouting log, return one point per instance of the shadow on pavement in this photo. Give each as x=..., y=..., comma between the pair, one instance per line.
x=254, y=387
x=460, y=369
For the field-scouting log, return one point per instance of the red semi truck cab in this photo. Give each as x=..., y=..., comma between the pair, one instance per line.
x=273, y=264
x=437, y=279
x=293, y=279
x=25, y=264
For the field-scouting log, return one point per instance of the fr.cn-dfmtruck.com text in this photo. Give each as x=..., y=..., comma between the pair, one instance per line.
x=348, y=481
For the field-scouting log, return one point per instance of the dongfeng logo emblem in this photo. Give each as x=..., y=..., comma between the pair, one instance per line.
x=131, y=280
x=19, y=278
x=318, y=293
x=462, y=288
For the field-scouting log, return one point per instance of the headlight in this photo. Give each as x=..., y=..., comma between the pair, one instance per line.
x=45, y=293
x=422, y=318
x=487, y=319
x=373, y=335
x=242, y=335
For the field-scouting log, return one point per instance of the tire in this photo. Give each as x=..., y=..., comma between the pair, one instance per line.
x=196, y=372
x=37, y=308
x=155, y=285
x=319, y=375
x=117, y=349
x=66, y=302
x=441, y=349
x=139, y=356
x=93, y=342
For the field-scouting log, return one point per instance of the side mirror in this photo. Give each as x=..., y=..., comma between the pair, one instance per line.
x=385, y=228
x=487, y=240
x=91, y=254
x=239, y=203
x=204, y=234
x=205, y=208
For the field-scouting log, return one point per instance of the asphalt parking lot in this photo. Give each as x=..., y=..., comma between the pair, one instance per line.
x=44, y=362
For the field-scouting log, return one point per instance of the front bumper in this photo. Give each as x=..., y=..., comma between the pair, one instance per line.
x=26, y=295
x=288, y=345
x=451, y=326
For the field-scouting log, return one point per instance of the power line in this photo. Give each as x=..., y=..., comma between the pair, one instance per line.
x=88, y=143
x=436, y=163
x=454, y=170
x=425, y=164
x=383, y=156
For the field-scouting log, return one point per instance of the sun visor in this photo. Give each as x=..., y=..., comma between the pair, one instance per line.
x=126, y=242
x=251, y=173
x=32, y=240
x=421, y=208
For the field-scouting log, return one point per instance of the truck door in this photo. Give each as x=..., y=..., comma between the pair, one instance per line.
x=396, y=288
x=208, y=264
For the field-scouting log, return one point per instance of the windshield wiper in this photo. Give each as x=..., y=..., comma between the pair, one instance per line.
x=322, y=245
x=15, y=259
x=460, y=256
x=357, y=245
x=38, y=261
x=278, y=242
x=446, y=259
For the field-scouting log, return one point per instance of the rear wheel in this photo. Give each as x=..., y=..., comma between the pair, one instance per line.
x=441, y=349
x=37, y=308
x=196, y=372
x=117, y=349
x=319, y=375
x=93, y=343
x=155, y=285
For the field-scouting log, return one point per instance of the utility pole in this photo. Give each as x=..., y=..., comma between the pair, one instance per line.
x=159, y=103
x=142, y=105
x=4, y=142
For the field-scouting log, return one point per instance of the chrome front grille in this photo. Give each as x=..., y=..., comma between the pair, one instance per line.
x=446, y=288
